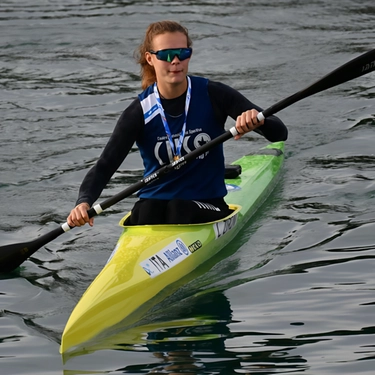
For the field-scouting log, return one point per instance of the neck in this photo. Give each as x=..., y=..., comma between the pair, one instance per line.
x=171, y=91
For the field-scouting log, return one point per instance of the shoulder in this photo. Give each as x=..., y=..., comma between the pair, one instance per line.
x=146, y=92
x=219, y=87
x=223, y=94
x=134, y=110
x=198, y=79
x=215, y=89
x=198, y=83
x=131, y=120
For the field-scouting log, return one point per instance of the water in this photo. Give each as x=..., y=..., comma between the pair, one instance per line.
x=298, y=294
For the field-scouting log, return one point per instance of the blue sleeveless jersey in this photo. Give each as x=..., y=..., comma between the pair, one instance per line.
x=200, y=179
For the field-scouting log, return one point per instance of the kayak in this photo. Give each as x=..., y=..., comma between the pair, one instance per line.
x=149, y=262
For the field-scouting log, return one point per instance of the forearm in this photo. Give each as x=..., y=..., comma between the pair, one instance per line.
x=273, y=129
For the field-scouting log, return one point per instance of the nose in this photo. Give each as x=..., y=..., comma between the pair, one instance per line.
x=175, y=60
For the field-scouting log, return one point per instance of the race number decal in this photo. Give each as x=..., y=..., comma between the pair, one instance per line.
x=225, y=226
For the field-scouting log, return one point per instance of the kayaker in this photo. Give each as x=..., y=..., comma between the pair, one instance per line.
x=175, y=114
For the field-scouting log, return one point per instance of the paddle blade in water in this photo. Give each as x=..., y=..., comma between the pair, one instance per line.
x=12, y=256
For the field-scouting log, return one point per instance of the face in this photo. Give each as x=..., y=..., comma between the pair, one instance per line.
x=169, y=73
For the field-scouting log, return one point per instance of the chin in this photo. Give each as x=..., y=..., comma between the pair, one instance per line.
x=178, y=78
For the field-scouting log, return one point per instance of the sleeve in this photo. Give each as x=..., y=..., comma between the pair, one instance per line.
x=227, y=101
x=128, y=128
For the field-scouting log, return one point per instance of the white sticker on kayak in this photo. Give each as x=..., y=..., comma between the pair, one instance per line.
x=225, y=226
x=231, y=187
x=172, y=254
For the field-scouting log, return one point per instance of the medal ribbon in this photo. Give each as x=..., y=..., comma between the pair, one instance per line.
x=175, y=150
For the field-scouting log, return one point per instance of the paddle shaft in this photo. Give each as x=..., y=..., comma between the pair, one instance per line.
x=11, y=256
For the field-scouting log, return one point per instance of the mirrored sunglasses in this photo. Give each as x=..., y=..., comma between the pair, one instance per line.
x=169, y=54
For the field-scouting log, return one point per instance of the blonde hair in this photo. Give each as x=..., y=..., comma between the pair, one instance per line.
x=148, y=75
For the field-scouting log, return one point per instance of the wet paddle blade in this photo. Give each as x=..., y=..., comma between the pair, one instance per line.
x=13, y=255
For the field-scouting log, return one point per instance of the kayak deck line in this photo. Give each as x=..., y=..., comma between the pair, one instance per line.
x=149, y=261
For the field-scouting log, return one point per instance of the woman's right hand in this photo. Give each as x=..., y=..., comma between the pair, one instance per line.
x=78, y=216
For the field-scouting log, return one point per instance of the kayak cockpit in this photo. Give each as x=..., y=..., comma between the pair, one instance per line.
x=234, y=207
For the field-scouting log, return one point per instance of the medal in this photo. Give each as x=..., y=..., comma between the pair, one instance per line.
x=176, y=157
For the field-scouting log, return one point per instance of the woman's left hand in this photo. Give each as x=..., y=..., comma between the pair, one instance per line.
x=247, y=122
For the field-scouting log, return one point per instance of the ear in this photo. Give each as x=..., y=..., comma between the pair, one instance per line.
x=148, y=58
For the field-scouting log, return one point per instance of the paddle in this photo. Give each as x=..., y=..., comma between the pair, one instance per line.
x=11, y=256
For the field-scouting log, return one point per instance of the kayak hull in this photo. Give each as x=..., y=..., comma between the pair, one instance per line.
x=149, y=261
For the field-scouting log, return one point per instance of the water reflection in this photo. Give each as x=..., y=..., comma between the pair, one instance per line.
x=200, y=341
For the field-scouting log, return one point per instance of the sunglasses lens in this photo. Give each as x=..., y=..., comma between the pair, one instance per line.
x=169, y=54
x=185, y=53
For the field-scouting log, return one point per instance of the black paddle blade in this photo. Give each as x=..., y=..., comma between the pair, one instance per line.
x=12, y=256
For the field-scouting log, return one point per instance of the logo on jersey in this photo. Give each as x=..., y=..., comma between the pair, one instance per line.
x=193, y=137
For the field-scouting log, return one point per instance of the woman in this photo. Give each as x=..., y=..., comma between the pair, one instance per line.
x=175, y=114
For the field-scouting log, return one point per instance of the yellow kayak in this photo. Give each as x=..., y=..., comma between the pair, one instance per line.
x=149, y=262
